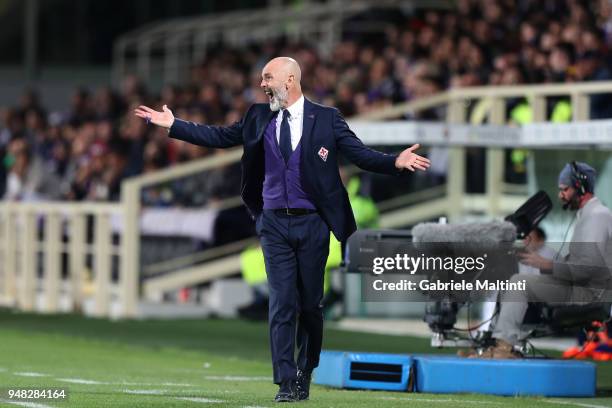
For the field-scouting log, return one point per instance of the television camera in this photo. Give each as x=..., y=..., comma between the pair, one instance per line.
x=441, y=240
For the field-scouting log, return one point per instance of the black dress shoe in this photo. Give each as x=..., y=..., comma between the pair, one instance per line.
x=286, y=392
x=303, y=384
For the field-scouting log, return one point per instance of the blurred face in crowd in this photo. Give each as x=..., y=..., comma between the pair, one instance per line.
x=586, y=67
x=511, y=76
x=559, y=60
x=528, y=33
x=547, y=42
x=570, y=33
x=33, y=120
x=589, y=41
x=18, y=151
x=60, y=152
x=280, y=80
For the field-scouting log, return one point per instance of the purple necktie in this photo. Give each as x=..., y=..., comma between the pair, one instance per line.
x=285, y=136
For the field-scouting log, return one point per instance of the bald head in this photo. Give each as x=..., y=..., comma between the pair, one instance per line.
x=287, y=66
x=280, y=79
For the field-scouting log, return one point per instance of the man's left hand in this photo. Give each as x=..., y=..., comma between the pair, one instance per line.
x=411, y=161
x=533, y=259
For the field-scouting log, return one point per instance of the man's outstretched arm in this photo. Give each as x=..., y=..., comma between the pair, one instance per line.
x=202, y=135
x=371, y=160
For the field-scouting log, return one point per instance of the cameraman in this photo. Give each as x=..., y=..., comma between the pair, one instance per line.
x=579, y=277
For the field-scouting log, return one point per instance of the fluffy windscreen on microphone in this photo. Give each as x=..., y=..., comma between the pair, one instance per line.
x=474, y=233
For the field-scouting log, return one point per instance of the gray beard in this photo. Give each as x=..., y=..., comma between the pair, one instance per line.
x=279, y=97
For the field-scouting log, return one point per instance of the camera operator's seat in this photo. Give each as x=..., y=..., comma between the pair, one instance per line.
x=558, y=319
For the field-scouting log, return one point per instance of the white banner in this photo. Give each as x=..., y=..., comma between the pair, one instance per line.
x=538, y=135
x=589, y=133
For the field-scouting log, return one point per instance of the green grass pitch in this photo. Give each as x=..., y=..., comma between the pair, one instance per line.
x=198, y=363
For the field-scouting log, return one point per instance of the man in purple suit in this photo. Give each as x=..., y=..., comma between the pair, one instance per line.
x=291, y=186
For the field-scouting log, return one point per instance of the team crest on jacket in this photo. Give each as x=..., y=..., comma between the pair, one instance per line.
x=323, y=153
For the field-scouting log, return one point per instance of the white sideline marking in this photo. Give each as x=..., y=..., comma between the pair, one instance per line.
x=253, y=406
x=26, y=404
x=442, y=400
x=235, y=378
x=162, y=392
x=170, y=384
x=82, y=381
x=214, y=391
x=134, y=383
x=156, y=384
x=577, y=404
x=3, y=370
x=167, y=384
x=202, y=400
x=30, y=374
x=206, y=365
x=146, y=392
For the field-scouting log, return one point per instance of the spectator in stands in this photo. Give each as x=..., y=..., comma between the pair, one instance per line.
x=592, y=67
x=560, y=60
x=18, y=186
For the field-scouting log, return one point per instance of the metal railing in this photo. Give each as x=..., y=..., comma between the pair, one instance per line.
x=65, y=223
x=67, y=250
x=450, y=200
x=170, y=47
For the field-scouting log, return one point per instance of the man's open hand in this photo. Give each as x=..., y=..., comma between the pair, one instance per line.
x=535, y=260
x=411, y=161
x=165, y=118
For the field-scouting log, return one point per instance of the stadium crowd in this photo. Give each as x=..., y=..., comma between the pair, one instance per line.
x=85, y=152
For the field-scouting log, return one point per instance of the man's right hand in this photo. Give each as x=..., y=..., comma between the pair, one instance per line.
x=165, y=118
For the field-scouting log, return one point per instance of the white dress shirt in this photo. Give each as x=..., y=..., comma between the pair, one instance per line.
x=296, y=122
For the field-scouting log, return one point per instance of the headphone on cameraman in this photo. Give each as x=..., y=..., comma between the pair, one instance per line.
x=581, y=180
